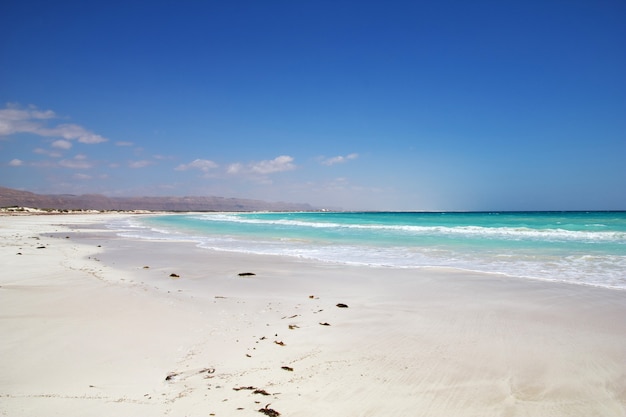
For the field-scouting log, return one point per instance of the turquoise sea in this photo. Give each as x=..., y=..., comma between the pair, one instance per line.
x=575, y=247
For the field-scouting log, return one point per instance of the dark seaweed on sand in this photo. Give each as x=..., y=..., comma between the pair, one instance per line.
x=269, y=411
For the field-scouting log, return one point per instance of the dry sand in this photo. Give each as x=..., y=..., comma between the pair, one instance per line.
x=94, y=325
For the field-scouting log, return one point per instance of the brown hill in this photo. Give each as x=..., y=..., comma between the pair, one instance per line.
x=10, y=197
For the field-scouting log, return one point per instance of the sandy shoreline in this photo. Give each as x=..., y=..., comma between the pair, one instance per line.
x=93, y=324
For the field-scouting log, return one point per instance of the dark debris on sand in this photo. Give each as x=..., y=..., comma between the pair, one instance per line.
x=269, y=411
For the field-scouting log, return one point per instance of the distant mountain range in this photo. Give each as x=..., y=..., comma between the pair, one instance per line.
x=10, y=197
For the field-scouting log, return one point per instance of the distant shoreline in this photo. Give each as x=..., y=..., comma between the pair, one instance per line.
x=25, y=211
x=11, y=198
x=21, y=210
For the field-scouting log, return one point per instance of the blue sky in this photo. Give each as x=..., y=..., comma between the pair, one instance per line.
x=440, y=105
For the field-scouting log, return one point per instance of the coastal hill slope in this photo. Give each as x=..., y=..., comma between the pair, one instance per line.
x=10, y=197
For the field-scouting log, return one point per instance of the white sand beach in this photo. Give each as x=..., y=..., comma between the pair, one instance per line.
x=94, y=324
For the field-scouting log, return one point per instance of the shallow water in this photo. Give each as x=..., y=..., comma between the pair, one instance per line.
x=576, y=247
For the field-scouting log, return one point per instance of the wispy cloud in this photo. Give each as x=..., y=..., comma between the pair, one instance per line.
x=82, y=177
x=78, y=162
x=14, y=119
x=339, y=159
x=16, y=162
x=123, y=143
x=52, y=154
x=140, y=164
x=203, y=165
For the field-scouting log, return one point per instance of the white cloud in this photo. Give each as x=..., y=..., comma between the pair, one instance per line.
x=13, y=120
x=339, y=159
x=62, y=144
x=16, y=162
x=235, y=168
x=9, y=126
x=122, y=143
x=12, y=113
x=203, y=165
x=139, y=164
x=70, y=132
x=255, y=170
x=265, y=167
x=82, y=176
x=278, y=164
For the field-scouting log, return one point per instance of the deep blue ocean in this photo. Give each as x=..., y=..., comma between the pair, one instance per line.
x=576, y=247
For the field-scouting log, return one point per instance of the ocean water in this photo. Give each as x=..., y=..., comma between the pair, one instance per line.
x=575, y=247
